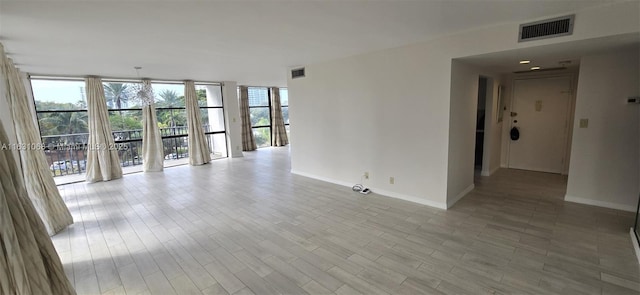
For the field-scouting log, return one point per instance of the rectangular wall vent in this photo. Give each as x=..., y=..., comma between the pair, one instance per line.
x=549, y=28
x=297, y=73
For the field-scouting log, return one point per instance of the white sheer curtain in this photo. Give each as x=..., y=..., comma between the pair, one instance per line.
x=102, y=157
x=248, y=142
x=41, y=188
x=278, y=131
x=152, y=149
x=29, y=263
x=199, y=153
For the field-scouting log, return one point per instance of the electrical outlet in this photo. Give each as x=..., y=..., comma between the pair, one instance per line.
x=366, y=175
x=392, y=180
x=584, y=123
x=234, y=120
x=237, y=147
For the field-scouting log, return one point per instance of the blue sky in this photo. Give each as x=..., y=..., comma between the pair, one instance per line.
x=72, y=91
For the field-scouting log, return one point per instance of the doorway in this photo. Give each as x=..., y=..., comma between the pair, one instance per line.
x=480, y=122
x=540, y=114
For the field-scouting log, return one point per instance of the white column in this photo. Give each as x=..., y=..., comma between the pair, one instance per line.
x=232, y=118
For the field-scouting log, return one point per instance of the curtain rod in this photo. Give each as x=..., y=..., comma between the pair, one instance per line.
x=81, y=78
x=256, y=86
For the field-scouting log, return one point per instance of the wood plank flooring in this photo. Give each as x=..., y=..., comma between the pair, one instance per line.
x=248, y=226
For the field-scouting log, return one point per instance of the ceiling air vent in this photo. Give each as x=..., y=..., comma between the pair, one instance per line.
x=297, y=73
x=549, y=28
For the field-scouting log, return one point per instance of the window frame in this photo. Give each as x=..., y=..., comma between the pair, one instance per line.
x=122, y=142
x=221, y=107
x=269, y=108
x=283, y=106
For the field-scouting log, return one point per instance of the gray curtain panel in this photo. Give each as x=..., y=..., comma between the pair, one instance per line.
x=248, y=142
x=199, y=153
x=152, y=149
x=41, y=188
x=102, y=156
x=279, y=132
x=29, y=263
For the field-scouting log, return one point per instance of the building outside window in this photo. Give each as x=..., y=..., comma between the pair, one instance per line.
x=259, y=111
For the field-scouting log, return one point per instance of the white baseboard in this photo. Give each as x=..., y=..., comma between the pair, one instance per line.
x=410, y=198
x=343, y=183
x=378, y=191
x=598, y=203
x=490, y=172
x=634, y=240
x=461, y=195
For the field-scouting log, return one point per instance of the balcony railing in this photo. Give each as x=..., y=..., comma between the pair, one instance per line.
x=67, y=154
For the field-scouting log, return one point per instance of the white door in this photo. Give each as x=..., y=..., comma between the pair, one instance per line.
x=541, y=108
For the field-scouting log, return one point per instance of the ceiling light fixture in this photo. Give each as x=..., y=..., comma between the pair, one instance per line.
x=535, y=68
x=524, y=62
x=143, y=91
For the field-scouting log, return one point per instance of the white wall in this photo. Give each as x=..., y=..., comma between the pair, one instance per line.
x=604, y=156
x=375, y=113
x=462, y=130
x=232, y=118
x=492, y=130
x=462, y=127
x=388, y=112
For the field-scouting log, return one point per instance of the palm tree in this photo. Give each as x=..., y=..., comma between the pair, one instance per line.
x=172, y=118
x=64, y=123
x=170, y=98
x=118, y=93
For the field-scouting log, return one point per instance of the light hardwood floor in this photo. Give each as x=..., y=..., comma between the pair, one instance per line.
x=243, y=226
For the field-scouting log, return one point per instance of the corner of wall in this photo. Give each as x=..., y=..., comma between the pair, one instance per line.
x=381, y=192
x=232, y=118
x=462, y=194
x=599, y=203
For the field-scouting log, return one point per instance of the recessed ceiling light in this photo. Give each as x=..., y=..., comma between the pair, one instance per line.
x=524, y=62
x=535, y=68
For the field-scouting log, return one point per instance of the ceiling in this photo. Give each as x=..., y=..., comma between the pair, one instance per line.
x=551, y=56
x=252, y=42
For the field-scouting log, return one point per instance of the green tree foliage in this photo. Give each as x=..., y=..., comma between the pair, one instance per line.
x=201, y=94
x=170, y=118
x=170, y=99
x=125, y=120
x=55, y=106
x=262, y=136
x=62, y=122
x=260, y=117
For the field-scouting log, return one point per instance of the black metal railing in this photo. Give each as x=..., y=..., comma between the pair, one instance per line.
x=67, y=154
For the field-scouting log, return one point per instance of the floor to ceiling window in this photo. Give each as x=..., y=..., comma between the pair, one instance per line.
x=259, y=110
x=172, y=120
x=125, y=118
x=210, y=101
x=61, y=109
x=260, y=113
